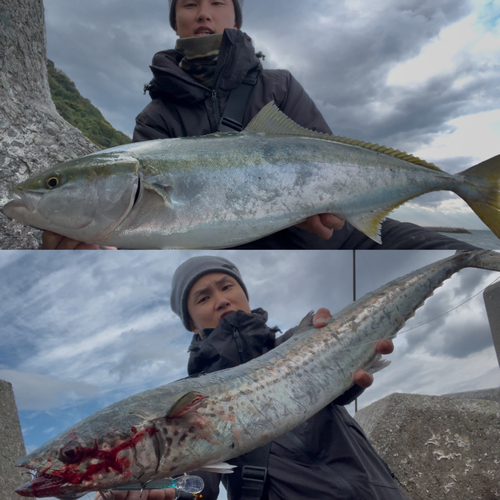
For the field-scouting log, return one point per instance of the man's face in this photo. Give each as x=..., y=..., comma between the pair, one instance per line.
x=212, y=297
x=203, y=17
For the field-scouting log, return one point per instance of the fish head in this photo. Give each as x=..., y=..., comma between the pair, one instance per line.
x=75, y=463
x=83, y=199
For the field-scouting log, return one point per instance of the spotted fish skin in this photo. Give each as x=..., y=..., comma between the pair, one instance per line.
x=224, y=190
x=202, y=421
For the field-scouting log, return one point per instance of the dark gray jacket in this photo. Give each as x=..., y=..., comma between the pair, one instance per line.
x=181, y=106
x=326, y=457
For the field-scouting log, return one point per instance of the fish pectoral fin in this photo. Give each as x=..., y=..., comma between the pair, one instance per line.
x=161, y=190
x=377, y=364
x=221, y=468
x=186, y=404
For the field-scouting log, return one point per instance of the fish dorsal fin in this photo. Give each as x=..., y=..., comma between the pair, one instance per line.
x=305, y=324
x=270, y=120
x=187, y=403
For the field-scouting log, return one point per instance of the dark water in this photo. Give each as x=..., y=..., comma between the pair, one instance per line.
x=481, y=238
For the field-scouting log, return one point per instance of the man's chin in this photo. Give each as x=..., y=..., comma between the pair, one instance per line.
x=226, y=314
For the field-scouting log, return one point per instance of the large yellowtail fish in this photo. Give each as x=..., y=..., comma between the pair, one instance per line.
x=224, y=190
x=204, y=421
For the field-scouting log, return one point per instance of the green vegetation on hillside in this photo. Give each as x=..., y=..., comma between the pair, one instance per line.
x=80, y=112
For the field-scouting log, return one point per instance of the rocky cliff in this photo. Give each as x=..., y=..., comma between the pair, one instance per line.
x=33, y=136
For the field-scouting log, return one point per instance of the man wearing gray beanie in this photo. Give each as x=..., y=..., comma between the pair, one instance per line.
x=238, y=5
x=326, y=457
x=194, y=82
x=189, y=273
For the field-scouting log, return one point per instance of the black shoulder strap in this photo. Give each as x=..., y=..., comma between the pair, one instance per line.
x=237, y=101
x=249, y=478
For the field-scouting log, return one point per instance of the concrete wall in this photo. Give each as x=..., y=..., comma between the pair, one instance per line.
x=11, y=444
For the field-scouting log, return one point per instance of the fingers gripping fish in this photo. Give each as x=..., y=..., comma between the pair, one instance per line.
x=204, y=421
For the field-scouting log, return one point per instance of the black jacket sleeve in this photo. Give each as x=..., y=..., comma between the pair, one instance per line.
x=152, y=123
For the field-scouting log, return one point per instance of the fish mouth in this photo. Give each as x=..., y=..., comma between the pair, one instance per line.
x=12, y=205
x=19, y=202
x=42, y=485
x=24, y=208
x=45, y=484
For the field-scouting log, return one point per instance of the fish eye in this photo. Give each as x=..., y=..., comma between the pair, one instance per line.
x=71, y=453
x=52, y=182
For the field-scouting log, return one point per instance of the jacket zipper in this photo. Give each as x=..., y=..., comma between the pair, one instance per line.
x=215, y=106
x=239, y=345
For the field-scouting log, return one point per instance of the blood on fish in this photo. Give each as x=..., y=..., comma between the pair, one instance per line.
x=108, y=460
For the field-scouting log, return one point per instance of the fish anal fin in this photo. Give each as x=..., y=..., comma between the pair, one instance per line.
x=187, y=404
x=270, y=120
x=370, y=223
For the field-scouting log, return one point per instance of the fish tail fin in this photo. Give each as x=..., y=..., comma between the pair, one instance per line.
x=481, y=259
x=481, y=191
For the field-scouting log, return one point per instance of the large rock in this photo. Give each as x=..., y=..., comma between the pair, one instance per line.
x=488, y=394
x=11, y=444
x=491, y=297
x=32, y=134
x=439, y=447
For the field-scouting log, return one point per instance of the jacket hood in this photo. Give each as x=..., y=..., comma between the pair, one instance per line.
x=236, y=58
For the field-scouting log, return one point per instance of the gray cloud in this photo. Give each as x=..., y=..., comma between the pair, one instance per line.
x=341, y=57
x=41, y=392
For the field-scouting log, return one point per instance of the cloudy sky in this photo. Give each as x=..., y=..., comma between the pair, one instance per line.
x=419, y=75
x=86, y=329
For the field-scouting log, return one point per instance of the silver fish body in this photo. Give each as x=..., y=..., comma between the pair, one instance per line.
x=224, y=190
x=197, y=422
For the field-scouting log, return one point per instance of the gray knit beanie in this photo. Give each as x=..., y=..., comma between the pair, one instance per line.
x=186, y=275
x=238, y=6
